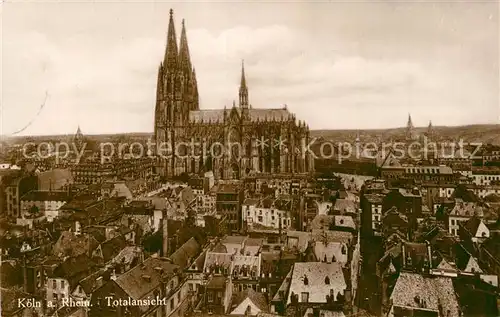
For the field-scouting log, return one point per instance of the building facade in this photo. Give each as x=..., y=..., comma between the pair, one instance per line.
x=248, y=140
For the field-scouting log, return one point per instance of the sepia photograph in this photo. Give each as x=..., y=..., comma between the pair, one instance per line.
x=249, y=158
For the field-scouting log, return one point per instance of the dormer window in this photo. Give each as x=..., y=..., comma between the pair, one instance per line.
x=327, y=280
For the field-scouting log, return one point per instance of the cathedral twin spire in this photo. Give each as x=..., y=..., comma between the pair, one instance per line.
x=177, y=57
x=176, y=76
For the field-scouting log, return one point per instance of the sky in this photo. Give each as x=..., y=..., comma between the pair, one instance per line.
x=336, y=65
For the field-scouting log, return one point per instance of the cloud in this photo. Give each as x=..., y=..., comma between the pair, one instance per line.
x=106, y=81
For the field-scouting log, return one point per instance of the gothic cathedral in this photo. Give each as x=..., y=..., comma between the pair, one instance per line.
x=232, y=142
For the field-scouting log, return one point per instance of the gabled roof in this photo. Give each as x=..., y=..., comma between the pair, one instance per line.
x=445, y=265
x=186, y=253
x=472, y=225
x=258, y=299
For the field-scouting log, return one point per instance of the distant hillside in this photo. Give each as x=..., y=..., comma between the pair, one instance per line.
x=481, y=133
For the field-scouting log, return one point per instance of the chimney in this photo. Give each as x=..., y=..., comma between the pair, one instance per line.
x=164, y=233
x=403, y=254
x=429, y=253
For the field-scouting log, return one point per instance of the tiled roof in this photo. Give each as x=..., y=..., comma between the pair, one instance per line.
x=38, y=195
x=258, y=299
x=217, y=282
x=199, y=262
x=128, y=254
x=374, y=198
x=445, y=265
x=345, y=206
x=74, y=269
x=322, y=222
x=246, y=264
x=325, y=313
x=71, y=245
x=112, y=247
x=185, y=254
x=472, y=225
x=312, y=277
x=251, y=201
x=206, y=115
x=345, y=221
x=332, y=236
x=284, y=287
x=466, y=209
x=92, y=282
x=68, y=311
x=234, y=239
x=213, y=259
x=227, y=188
x=330, y=252
x=54, y=179
x=134, y=283
x=254, y=242
x=434, y=293
x=408, y=193
x=418, y=253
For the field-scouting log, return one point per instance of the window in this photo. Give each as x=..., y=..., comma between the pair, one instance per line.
x=306, y=280
x=172, y=304
x=54, y=286
x=62, y=284
x=327, y=280
x=210, y=297
x=304, y=298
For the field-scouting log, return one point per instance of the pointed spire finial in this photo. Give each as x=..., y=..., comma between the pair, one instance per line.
x=243, y=88
x=184, y=56
x=243, y=79
x=171, y=52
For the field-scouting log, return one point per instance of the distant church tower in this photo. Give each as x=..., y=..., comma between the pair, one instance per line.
x=410, y=130
x=79, y=139
x=430, y=131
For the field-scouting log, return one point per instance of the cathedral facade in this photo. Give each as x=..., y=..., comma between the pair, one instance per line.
x=233, y=142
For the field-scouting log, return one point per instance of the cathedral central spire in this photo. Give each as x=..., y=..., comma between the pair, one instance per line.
x=243, y=88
